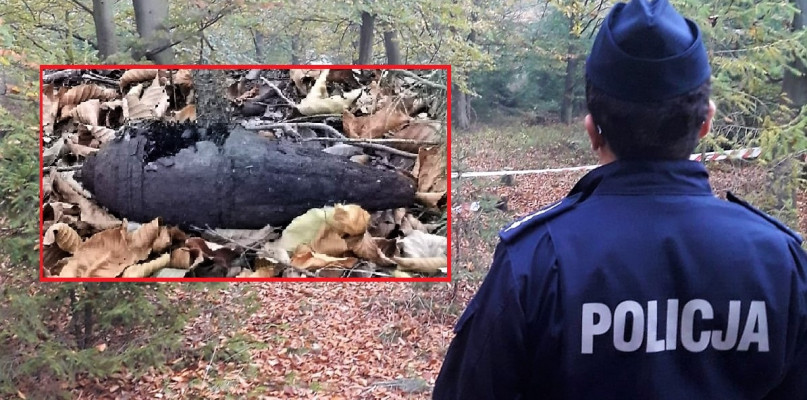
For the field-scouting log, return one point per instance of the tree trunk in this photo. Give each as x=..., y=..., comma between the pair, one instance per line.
x=104, y=17
x=260, y=43
x=366, y=38
x=212, y=107
x=794, y=85
x=150, y=17
x=392, y=47
x=567, y=103
x=462, y=110
x=295, y=50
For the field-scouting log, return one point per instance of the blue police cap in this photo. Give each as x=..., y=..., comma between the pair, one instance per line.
x=647, y=52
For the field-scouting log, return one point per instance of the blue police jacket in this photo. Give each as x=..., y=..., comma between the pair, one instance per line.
x=641, y=284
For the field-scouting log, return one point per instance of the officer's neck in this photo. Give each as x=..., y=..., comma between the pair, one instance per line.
x=605, y=155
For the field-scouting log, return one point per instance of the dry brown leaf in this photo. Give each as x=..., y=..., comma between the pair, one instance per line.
x=91, y=213
x=421, y=131
x=382, y=223
x=187, y=113
x=66, y=111
x=63, y=236
x=388, y=247
x=151, y=105
x=112, y=104
x=429, y=266
x=102, y=133
x=419, y=244
x=344, y=219
x=411, y=223
x=298, y=75
x=350, y=219
x=88, y=112
x=429, y=199
x=181, y=258
x=400, y=274
x=264, y=268
x=146, y=269
x=79, y=149
x=329, y=242
x=56, y=210
x=81, y=93
x=367, y=249
x=184, y=78
x=50, y=108
x=246, y=95
x=312, y=261
x=53, y=259
x=374, y=126
x=136, y=76
x=52, y=153
x=430, y=170
x=144, y=237
x=362, y=159
x=318, y=102
x=106, y=254
x=162, y=242
x=274, y=251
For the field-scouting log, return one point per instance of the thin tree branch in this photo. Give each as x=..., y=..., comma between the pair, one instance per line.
x=83, y=6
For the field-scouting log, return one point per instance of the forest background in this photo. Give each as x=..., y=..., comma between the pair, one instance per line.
x=517, y=73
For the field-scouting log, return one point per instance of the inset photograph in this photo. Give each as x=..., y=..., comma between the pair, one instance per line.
x=228, y=173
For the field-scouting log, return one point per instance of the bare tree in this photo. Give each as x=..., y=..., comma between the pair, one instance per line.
x=150, y=17
x=366, y=38
x=794, y=85
x=103, y=15
x=260, y=43
x=462, y=109
x=392, y=47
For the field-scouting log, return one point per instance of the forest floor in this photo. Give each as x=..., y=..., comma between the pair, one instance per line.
x=381, y=340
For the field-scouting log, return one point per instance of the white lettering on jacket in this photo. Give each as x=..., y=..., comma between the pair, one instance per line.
x=598, y=319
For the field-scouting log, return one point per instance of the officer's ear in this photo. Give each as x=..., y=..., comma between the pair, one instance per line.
x=707, y=125
x=594, y=134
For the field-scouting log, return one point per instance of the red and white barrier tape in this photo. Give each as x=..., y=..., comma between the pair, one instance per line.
x=745, y=154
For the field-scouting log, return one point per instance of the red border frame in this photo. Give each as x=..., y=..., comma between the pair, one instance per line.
x=244, y=66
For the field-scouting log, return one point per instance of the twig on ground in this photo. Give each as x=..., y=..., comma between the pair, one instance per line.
x=94, y=77
x=397, y=141
x=207, y=368
x=70, y=168
x=259, y=125
x=387, y=149
x=312, y=117
x=279, y=93
x=419, y=79
x=67, y=73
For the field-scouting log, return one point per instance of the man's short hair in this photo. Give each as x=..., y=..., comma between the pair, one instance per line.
x=664, y=130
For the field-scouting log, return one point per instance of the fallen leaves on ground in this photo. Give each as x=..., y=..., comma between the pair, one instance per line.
x=312, y=341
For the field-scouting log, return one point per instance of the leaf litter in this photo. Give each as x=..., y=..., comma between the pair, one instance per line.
x=81, y=115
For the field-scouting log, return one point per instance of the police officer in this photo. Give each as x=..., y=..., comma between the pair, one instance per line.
x=640, y=284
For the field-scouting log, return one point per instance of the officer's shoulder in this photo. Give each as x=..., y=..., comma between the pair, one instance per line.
x=771, y=220
x=533, y=221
